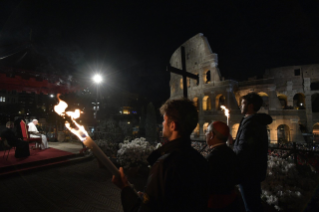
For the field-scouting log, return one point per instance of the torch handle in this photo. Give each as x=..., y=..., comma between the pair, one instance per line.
x=101, y=156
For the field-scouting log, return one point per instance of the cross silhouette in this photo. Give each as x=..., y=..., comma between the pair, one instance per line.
x=183, y=72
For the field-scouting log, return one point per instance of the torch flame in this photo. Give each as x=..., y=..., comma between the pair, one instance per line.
x=225, y=109
x=79, y=131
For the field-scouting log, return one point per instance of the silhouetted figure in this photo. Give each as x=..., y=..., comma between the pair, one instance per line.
x=251, y=148
x=22, y=147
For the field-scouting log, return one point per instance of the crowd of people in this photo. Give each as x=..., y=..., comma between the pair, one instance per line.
x=181, y=179
x=12, y=135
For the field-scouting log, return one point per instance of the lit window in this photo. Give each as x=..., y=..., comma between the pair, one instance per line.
x=126, y=112
x=128, y=122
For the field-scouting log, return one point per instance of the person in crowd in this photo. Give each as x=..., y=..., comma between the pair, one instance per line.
x=178, y=178
x=22, y=147
x=251, y=148
x=34, y=133
x=222, y=171
x=17, y=127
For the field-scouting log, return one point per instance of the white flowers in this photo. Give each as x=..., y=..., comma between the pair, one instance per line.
x=134, y=153
x=285, y=187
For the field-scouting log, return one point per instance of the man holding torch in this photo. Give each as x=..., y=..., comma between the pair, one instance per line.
x=178, y=177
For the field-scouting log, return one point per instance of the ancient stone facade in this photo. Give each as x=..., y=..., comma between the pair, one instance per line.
x=290, y=94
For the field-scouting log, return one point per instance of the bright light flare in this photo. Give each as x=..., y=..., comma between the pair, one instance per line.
x=80, y=132
x=225, y=109
x=97, y=78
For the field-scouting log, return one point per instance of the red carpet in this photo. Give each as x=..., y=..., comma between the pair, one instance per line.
x=36, y=158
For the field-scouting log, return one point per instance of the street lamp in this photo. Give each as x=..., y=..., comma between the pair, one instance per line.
x=97, y=79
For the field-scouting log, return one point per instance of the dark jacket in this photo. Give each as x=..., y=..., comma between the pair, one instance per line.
x=222, y=170
x=9, y=135
x=251, y=147
x=177, y=181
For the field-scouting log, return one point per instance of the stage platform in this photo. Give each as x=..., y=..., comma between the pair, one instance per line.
x=58, y=153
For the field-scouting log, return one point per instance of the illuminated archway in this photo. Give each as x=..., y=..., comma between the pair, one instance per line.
x=283, y=100
x=315, y=132
x=206, y=103
x=220, y=100
x=299, y=101
x=283, y=133
x=196, y=102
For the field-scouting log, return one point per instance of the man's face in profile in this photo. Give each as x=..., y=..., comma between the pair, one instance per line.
x=166, y=131
x=243, y=106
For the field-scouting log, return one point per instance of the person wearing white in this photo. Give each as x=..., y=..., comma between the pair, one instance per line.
x=34, y=133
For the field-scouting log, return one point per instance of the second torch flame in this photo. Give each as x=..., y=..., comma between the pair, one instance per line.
x=82, y=134
x=226, y=113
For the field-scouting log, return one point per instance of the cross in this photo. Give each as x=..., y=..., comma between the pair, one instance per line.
x=183, y=72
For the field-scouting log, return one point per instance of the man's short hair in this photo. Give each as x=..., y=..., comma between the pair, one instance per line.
x=255, y=99
x=35, y=120
x=183, y=113
x=220, y=130
x=9, y=123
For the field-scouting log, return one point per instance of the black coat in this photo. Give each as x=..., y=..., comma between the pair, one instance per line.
x=251, y=147
x=22, y=147
x=222, y=165
x=177, y=181
x=9, y=135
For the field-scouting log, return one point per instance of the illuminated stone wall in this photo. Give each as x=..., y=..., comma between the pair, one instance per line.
x=288, y=92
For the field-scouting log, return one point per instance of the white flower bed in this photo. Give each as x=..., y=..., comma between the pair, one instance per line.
x=134, y=153
x=285, y=188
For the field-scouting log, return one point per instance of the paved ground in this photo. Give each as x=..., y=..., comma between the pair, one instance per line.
x=77, y=187
x=70, y=146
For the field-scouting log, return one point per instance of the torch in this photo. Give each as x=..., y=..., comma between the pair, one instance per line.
x=82, y=134
x=226, y=113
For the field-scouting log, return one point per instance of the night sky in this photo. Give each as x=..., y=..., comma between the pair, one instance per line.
x=131, y=42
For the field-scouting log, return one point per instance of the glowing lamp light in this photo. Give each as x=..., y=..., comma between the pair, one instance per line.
x=97, y=78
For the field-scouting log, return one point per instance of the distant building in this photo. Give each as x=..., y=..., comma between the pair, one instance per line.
x=290, y=94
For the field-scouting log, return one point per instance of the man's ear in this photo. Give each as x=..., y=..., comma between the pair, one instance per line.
x=251, y=108
x=172, y=126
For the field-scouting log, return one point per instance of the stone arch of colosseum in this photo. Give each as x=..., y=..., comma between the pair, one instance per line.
x=282, y=99
x=283, y=133
x=299, y=101
x=207, y=105
x=220, y=99
x=315, y=132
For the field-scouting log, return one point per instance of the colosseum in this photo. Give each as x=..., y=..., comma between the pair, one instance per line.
x=290, y=94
